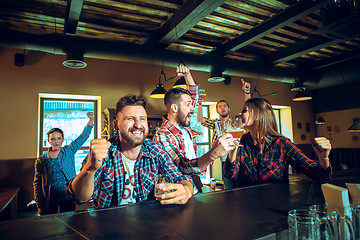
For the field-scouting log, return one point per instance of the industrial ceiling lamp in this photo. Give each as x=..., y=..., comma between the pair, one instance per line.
x=74, y=59
x=216, y=74
x=302, y=95
x=159, y=91
x=320, y=121
x=355, y=127
x=180, y=83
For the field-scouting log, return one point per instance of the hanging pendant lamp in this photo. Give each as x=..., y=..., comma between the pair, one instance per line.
x=159, y=91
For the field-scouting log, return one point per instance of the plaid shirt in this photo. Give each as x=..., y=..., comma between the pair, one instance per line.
x=109, y=179
x=252, y=167
x=171, y=138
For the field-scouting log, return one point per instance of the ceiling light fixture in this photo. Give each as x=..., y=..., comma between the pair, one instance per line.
x=320, y=121
x=216, y=74
x=302, y=95
x=355, y=127
x=159, y=91
x=180, y=83
x=75, y=59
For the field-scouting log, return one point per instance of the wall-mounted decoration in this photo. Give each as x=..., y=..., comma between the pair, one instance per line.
x=307, y=126
x=299, y=125
x=303, y=137
x=355, y=138
x=329, y=128
x=337, y=129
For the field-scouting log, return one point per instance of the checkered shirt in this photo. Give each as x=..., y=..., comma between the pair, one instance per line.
x=109, y=179
x=252, y=167
x=171, y=138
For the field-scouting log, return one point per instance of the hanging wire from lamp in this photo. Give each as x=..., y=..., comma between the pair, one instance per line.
x=159, y=91
x=180, y=82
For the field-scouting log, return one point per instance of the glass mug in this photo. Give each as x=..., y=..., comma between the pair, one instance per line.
x=161, y=182
x=303, y=224
x=356, y=220
x=334, y=224
x=202, y=94
x=231, y=125
x=328, y=221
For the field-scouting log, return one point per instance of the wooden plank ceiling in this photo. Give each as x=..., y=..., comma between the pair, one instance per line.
x=284, y=33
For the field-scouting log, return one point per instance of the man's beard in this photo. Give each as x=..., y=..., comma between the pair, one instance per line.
x=224, y=115
x=134, y=141
x=181, y=119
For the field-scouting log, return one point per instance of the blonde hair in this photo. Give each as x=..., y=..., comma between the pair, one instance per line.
x=264, y=119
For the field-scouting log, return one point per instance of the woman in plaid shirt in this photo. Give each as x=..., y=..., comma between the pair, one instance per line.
x=264, y=155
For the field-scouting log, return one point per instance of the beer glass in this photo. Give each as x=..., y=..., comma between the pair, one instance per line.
x=328, y=221
x=303, y=224
x=334, y=223
x=202, y=94
x=161, y=182
x=356, y=220
x=231, y=125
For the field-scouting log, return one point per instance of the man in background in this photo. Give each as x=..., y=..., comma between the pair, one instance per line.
x=223, y=109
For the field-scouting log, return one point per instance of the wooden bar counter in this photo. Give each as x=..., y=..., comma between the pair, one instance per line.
x=244, y=213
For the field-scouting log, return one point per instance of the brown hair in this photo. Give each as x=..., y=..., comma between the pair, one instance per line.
x=222, y=101
x=264, y=119
x=55, y=130
x=173, y=95
x=130, y=100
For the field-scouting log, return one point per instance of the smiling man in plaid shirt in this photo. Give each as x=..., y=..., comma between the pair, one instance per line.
x=124, y=171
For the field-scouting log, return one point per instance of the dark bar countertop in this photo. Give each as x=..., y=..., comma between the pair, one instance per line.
x=245, y=213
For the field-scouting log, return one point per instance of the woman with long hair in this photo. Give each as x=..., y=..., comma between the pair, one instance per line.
x=264, y=155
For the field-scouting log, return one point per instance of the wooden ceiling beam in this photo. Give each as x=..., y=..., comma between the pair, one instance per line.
x=186, y=17
x=347, y=56
x=299, y=49
x=280, y=20
x=72, y=16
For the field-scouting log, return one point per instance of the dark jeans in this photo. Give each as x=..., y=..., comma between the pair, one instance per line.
x=64, y=206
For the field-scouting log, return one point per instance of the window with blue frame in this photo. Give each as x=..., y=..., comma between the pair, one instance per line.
x=70, y=116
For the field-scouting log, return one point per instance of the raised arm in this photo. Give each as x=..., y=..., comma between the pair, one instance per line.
x=246, y=87
x=82, y=186
x=91, y=117
x=80, y=140
x=322, y=148
x=183, y=71
x=220, y=147
x=199, y=115
x=193, y=88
